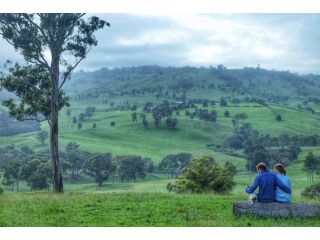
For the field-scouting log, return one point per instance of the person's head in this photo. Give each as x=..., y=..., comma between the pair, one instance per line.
x=279, y=168
x=261, y=167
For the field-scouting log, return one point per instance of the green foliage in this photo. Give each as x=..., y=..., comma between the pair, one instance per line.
x=74, y=158
x=171, y=122
x=230, y=167
x=31, y=83
x=311, y=164
x=89, y=111
x=99, y=167
x=42, y=136
x=203, y=176
x=223, y=102
x=74, y=120
x=226, y=113
x=26, y=150
x=131, y=167
x=1, y=191
x=172, y=164
x=37, y=172
x=278, y=117
x=68, y=112
x=312, y=191
x=149, y=165
x=11, y=175
x=79, y=126
x=9, y=126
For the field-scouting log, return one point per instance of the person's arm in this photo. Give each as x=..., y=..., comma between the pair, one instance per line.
x=254, y=185
x=281, y=185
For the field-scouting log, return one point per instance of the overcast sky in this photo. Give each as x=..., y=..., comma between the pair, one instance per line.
x=275, y=41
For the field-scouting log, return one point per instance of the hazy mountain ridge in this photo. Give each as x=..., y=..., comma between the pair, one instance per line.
x=246, y=81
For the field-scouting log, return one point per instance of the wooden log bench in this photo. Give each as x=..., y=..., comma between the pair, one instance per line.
x=275, y=209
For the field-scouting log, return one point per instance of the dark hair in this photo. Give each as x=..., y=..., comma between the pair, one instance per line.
x=262, y=166
x=280, y=168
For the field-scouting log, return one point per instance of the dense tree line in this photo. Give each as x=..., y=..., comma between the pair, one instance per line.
x=36, y=170
x=262, y=148
x=10, y=126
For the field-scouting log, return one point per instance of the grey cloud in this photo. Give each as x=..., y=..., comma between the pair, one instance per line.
x=275, y=41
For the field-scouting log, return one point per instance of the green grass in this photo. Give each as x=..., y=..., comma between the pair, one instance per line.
x=129, y=209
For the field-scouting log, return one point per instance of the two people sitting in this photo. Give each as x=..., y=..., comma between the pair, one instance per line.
x=272, y=186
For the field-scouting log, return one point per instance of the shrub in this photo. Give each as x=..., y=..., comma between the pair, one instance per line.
x=1, y=190
x=230, y=167
x=112, y=124
x=203, y=175
x=312, y=191
x=279, y=118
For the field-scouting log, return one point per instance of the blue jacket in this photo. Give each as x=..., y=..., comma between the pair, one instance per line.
x=267, y=183
x=282, y=196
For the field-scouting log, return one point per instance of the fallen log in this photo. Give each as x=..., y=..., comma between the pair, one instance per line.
x=275, y=209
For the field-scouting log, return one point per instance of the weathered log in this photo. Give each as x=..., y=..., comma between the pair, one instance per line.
x=275, y=209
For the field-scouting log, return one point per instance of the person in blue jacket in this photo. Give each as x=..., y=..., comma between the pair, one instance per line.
x=267, y=183
x=281, y=172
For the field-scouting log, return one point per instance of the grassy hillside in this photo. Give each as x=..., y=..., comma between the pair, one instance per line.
x=146, y=202
x=128, y=209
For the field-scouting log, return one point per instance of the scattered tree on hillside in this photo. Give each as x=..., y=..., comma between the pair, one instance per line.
x=278, y=117
x=42, y=136
x=66, y=37
x=172, y=164
x=171, y=122
x=37, y=171
x=81, y=117
x=79, y=126
x=223, y=102
x=68, y=112
x=89, y=111
x=99, y=167
x=311, y=164
x=26, y=151
x=149, y=165
x=131, y=167
x=230, y=167
x=94, y=125
x=74, y=159
x=11, y=174
x=226, y=113
x=74, y=120
x=134, y=117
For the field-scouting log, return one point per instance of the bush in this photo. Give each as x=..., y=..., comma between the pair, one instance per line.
x=312, y=191
x=112, y=124
x=203, y=176
x=279, y=118
x=1, y=190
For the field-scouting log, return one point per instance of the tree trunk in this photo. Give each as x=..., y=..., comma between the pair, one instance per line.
x=57, y=175
x=275, y=209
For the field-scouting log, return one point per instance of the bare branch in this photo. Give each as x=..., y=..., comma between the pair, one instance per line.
x=35, y=118
x=68, y=72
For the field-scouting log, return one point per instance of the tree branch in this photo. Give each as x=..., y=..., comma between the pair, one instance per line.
x=68, y=72
x=36, y=25
x=35, y=118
